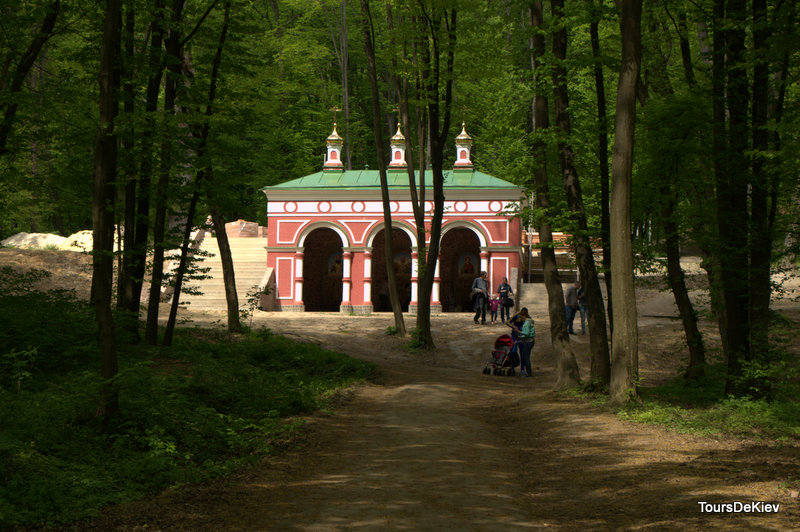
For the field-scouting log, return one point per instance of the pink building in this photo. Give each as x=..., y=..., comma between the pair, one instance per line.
x=326, y=235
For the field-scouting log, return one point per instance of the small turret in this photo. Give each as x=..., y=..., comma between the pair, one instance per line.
x=335, y=143
x=463, y=149
x=398, y=144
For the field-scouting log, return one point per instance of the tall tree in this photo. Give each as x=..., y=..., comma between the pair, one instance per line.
x=12, y=82
x=625, y=337
x=568, y=371
x=602, y=151
x=174, y=62
x=730, y=93
x=103, y=196
x=204, y=170
x=600, y=363
x=436, y=84
x=369, y=48
x=658, y=83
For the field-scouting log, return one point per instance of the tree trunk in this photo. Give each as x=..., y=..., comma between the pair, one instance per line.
x=125, y=280
x=760, y=228
x=103, y=195
x=180, y=272
x=202, y=173
x=8, y=105
x=228, y=274
x=602, y=159
x=142, y=225
x=159, y=225
x=658, y=79
x=677, y=282
x=439, y=126
x=598, y=339
x=731, y=172
x=625, y=340
x=369, y=49
x=568, y=371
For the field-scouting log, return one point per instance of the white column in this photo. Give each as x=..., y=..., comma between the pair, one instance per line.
x=485, y=262
x=436, y=282
x=367, y=276
x=414, y=279
x=298, y=276
x=347, y=258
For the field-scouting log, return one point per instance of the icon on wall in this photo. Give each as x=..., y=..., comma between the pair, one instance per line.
x=466, y=264
x=335, y=264
x=402, y=263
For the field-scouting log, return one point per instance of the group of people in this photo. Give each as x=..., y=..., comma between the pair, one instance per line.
x=483, y=301
x=522, y=326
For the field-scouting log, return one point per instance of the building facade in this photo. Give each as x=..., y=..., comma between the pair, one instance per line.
x=326, y=235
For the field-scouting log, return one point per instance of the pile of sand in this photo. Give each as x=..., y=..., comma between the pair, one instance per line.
x=80, y=241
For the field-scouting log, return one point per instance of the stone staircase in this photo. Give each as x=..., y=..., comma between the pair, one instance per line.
x=249, y=266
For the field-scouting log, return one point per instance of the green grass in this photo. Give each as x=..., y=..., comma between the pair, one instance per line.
x=701, y=407
x=201, y=408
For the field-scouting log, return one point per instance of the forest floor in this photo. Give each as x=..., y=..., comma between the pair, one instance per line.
x=433, y=444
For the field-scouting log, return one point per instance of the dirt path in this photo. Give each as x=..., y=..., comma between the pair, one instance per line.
x=436, y=445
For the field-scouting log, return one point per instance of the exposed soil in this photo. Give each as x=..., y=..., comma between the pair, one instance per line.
x=436, y=445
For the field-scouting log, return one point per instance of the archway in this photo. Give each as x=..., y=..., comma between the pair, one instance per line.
x=459, y=265
x=401, y=253
x=322, y=270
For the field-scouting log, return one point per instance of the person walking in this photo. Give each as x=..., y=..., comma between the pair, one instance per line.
x=526, y=338
x=505, y=292
x=572, y=304
x=480, y=291
x=493, y=304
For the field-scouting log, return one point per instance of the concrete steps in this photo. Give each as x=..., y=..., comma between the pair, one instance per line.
x=249, y=266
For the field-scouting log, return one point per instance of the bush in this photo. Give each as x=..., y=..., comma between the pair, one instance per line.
x=198, y=409
x=701, y=407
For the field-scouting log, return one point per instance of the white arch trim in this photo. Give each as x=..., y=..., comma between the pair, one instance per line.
x=396, y=224
x=464, y=224
x=323, y=225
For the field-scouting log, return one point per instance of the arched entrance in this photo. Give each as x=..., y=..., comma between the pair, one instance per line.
x=401, y=253
x=322, y=271
x=460, y=263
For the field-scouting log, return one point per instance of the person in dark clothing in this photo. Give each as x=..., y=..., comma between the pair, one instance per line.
x=582, y=308
x=505, y=292
x=572, y=304
x=480, y=291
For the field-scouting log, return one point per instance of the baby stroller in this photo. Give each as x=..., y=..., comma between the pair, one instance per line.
x=504, y=357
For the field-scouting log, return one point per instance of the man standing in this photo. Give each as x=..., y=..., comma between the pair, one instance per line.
x=480, y=291
x=572, y=304
x=505, y=292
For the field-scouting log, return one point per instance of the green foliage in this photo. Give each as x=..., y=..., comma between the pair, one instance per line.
x=701, y=407
x=197, y=409
x=416, y=342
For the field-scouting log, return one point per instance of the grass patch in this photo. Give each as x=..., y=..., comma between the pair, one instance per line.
x=700, y=407
x=198, y=409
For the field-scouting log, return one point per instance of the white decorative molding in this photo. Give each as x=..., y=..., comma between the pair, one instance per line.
x=278, y=277
x=483, y=223
x=300, y=225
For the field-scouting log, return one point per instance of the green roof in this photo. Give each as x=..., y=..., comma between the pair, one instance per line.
x=370, y=179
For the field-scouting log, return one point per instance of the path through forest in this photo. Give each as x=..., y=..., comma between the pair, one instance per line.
x=437, y=445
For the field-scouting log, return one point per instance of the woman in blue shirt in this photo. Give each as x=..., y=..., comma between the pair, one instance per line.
x=526, y=338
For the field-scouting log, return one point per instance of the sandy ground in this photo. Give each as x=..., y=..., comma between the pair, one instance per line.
x=437, y=445
x=434, y=444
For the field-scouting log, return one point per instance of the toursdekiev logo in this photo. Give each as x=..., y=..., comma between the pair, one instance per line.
x=739, y=507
